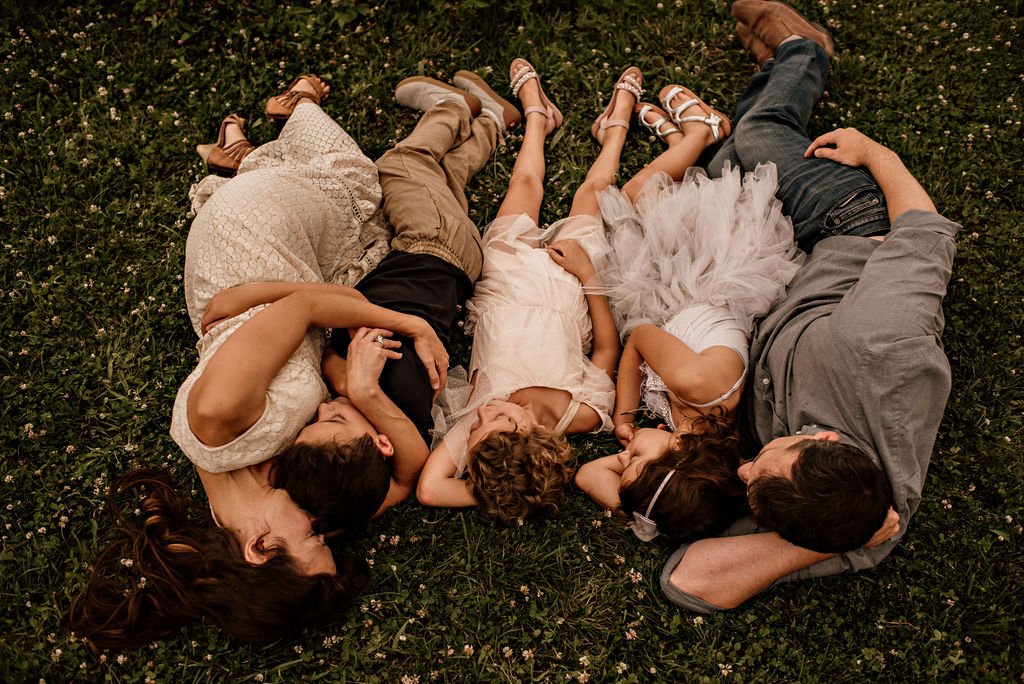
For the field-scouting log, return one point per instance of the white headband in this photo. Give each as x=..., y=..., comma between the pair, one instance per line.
x=643, y=527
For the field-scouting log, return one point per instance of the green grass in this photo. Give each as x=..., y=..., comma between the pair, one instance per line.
x=100, y=107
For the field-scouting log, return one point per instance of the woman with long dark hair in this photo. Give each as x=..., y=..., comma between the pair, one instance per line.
x=297, y=225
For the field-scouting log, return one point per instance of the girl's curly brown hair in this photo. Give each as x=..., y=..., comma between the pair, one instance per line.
x=517, y=475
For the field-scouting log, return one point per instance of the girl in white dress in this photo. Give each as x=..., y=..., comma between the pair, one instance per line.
x=545, y=346
x=693, y=261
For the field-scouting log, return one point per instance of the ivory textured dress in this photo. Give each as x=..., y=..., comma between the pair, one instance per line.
x=303, y=208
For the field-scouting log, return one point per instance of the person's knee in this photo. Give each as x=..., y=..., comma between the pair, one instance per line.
x=753, y=138
x=592, y=186
x=525, y=182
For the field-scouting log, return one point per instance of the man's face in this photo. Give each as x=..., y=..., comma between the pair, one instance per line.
x=778, y=456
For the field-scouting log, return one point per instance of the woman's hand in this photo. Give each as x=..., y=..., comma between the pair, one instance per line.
x=227, y=304
x=571, y=256
x=847, y=146
x=368, y=351
x=432, y=354
x=238, y=299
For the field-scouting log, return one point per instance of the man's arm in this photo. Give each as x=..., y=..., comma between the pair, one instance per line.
x=726, y=571
x=851, y=147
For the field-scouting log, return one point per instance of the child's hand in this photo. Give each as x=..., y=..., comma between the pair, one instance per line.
x=624, y=433
x=573, y=258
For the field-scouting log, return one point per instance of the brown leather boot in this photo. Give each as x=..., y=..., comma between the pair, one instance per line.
x=772, y=22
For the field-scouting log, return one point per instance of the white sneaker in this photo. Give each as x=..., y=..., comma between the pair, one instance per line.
x=423, y=92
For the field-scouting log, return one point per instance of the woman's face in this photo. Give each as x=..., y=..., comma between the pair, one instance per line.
x=499, y=416
x=293, y=527
x=336, y=421
x=648, y=444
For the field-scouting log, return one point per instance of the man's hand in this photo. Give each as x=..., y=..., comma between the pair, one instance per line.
x=368, y=351
x=573, y=258
x=889, y=529
x=847, y=146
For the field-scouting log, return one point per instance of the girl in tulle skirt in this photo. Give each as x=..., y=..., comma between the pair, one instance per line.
x=694, y=260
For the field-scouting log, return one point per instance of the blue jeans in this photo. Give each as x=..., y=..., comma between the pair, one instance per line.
x=823, y=197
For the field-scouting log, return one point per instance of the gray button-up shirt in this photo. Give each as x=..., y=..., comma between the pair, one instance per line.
x=855, y=346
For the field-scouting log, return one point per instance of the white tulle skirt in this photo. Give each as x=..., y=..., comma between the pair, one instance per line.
x=716, y=241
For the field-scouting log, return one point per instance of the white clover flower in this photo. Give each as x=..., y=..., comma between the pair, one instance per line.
x=527, y=654
x=468, y=649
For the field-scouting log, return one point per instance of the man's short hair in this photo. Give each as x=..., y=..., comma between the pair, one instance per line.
x=835, y=501
x=340, y=485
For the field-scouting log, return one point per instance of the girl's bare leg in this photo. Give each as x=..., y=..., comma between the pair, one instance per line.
x=526, y=185
x=683, y=150
x=603, y=171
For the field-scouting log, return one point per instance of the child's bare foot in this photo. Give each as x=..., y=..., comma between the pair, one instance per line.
x=526, y=86
x=693, y=115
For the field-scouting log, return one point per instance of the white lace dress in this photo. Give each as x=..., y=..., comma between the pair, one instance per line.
x=303, y=208
x=701, y=259
x=531, y=327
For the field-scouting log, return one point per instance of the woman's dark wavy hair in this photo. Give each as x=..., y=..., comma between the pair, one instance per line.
x=340, y=485
x=704, y=496
x=166, y=569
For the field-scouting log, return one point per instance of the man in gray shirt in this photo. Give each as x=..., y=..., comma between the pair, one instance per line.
x=848, y=380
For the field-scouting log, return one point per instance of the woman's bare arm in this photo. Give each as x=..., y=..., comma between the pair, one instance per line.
x=231, y=393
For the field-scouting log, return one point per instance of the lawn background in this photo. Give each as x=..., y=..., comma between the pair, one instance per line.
x=100, y=107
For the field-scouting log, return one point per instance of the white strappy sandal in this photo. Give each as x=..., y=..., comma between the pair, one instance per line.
x=631, y=81
x=720, y=125
x=521, y=71
x=662, y=126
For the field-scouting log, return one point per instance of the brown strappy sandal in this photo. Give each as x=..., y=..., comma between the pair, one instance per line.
x=224, y=159
x=280, y=107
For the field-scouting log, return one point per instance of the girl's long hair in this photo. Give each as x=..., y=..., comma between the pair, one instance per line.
x=165, y=569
